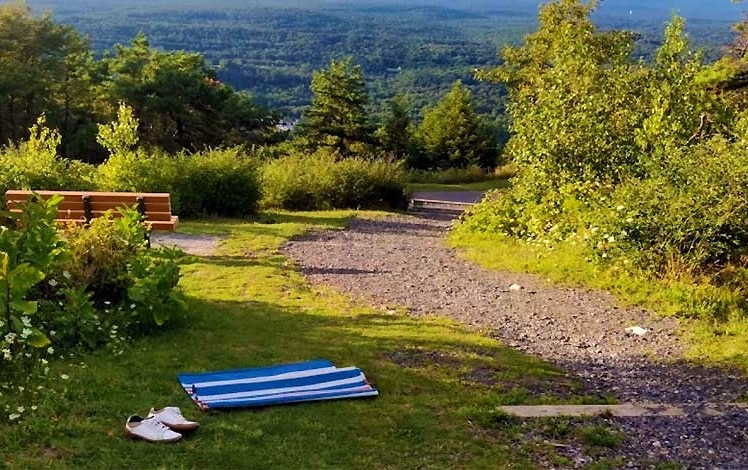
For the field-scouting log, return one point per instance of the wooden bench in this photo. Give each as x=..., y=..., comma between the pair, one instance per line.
x=80, y=207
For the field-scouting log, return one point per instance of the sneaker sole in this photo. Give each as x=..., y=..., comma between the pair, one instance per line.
x=136, y=437
x=182, y=427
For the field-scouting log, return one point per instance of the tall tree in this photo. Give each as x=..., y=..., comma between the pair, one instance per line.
x=337, y=117
x=395, y=133
x=42, y=70
x=452, y=134
x=179, y=101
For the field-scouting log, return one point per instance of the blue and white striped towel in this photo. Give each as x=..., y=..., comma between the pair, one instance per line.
x=289, y=383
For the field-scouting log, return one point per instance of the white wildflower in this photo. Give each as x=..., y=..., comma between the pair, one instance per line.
x=26, y=321
x=620, y=208
x=21, y=409
x=611, y=239
x=66, y=275
x=13, y=416
x=52, y=283
x=50, y=350
x=26, y=333
x=64, y=376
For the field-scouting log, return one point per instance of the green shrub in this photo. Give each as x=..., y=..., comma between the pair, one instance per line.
x=214, y=182
x=471, y=174
x=84, y=287
x=218, y=182
x=321, y=181
x=138, y=171
x=34, y=164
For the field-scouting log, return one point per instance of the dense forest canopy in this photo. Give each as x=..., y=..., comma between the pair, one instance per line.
x=417, y=48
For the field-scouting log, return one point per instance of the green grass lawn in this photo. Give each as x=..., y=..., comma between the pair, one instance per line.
x=479, y=186
x=248, y=306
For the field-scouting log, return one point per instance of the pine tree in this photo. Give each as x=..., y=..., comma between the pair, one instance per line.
x=337, y=117
x=395, y=133
x=454, y=135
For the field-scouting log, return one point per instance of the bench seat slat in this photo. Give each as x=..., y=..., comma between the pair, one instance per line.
x=81, y=215
x=104, y=206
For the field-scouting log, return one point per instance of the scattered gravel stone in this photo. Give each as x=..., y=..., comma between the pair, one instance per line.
x=637, y=331
x=402, y=261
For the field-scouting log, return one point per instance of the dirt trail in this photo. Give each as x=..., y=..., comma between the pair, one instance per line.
x=402, y=261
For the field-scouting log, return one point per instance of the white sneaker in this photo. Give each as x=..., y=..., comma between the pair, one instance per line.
x=172, y=417
x=150, y=429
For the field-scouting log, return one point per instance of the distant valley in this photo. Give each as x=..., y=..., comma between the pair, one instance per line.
x=416, y=47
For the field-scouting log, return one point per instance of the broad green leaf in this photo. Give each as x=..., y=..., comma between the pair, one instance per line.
x=38, y=339
x=25, y=307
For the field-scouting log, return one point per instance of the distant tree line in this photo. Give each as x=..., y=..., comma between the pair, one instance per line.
x=49, y=69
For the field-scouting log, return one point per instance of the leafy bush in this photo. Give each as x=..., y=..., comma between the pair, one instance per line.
x=34, y=164
x=138, y=171
x=81, y=287
x=320, y=181
x=471, y=174
x=217, y=182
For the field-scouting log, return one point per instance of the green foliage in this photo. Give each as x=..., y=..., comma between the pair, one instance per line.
x=575, y=97
x=120, y=136
x=322, y=181
x=154, y=299
x=211, y=182
x=34, y=164
x=138, y=171
x=453, y=135
x=395, y=134
x=337, y=117
x=639, y=167
x=131, y=169
x=470, y=174
x=84, y=287
x=600, y=436
x=100, y=257
x=217, y=182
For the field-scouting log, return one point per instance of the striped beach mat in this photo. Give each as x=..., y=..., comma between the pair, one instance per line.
x=289, y=383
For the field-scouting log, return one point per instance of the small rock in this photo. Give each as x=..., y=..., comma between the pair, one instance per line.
x=637, y=330
x=515, y=287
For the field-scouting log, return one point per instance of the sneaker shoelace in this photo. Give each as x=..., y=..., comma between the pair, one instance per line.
x=159, y=424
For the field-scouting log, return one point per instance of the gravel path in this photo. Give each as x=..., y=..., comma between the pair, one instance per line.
x=402, y=261
x=198, y=245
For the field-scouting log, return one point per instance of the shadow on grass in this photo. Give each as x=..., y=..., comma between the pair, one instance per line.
x=421, y=416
